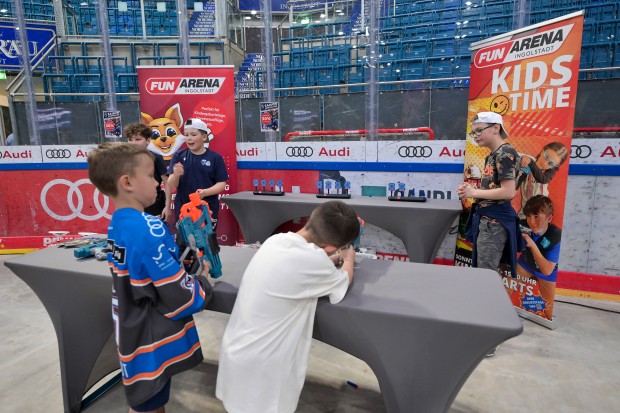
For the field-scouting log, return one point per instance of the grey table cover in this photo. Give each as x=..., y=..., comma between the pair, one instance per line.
x=421, y=226
x=421, y=328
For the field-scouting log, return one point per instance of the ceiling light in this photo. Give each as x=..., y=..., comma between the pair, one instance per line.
x=253, y=12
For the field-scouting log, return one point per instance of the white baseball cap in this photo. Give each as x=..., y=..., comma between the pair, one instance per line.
x=197, y=124
x=491, y=117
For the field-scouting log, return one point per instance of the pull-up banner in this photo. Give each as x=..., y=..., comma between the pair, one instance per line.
x=169, y=95
x=529, y=76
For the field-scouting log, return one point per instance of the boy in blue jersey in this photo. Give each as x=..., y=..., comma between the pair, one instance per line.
x=153, y=298
x=196, y=169
x=540, y=259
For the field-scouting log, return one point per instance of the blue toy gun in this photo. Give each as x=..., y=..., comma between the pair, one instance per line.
x=195, y=227
x=97, y=250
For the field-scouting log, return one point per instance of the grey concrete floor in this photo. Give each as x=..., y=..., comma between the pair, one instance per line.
x=574, y=368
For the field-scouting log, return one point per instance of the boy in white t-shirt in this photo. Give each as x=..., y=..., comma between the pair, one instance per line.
x=265, y=348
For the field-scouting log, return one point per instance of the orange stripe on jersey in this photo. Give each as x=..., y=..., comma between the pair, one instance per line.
x=188, y=304
x=170, y=279
x=140, y=283
x=152, y=347
x=117, y=271
x=156, y=373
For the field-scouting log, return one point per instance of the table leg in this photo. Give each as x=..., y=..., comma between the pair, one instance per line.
x=421, y=365
x=80, y=310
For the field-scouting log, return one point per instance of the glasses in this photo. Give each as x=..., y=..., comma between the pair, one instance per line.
x=188, y=122
x=549, y=160
x=478, y=132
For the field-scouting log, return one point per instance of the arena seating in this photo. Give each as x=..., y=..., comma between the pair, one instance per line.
x=83, y=73
x=418, y=40
x=431, y=39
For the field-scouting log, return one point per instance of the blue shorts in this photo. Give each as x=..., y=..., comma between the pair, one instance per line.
x=155, y=402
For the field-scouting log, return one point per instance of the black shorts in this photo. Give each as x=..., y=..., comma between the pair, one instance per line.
x=155, y=402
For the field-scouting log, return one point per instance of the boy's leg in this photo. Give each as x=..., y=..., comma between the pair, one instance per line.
x=156, y=404
x=547, y=292
x=492, y=237
x=160, y=410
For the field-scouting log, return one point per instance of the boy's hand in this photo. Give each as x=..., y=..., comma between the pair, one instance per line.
x=465, y=190
x=525, y=161
x=530, y=242
x=165, y=214
x=178, y=169
x=348, y=254
x=206, y=267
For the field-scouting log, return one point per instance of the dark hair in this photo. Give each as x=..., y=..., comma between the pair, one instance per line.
x=110, y=161
x=137, y=129
x=333, y=223
x=538, y=204
x=559, y=149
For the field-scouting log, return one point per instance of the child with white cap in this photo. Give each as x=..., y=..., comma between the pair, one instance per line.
x=196, y=169
x=493, y=224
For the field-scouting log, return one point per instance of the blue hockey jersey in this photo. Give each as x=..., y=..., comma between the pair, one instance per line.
x=153, y=300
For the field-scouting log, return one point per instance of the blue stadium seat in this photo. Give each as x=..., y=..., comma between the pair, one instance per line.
x=443, y=47
x=587, y=56
x=588, y=33
x=440, y=68
x=417, y=50
x=606, y=31
x=498, y=25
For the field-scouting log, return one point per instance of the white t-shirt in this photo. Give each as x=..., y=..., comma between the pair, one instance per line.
x=264, y=353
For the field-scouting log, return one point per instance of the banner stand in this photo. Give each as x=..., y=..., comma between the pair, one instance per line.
x=528, y=76
x=550, y=324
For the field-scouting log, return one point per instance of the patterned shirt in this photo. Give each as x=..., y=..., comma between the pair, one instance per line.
x=499, y=165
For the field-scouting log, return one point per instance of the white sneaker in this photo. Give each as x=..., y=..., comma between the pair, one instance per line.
x=492, y=352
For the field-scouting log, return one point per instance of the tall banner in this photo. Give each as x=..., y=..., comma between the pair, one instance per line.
x=529, y=76
x=172, y=94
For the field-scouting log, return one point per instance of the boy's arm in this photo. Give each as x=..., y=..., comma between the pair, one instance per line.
x=348, y=258
x=545, y=266
x=172, y=182
x=542, y=176
x=165, y=214
x=179, y=294
x=214, y=190
x=506, y=190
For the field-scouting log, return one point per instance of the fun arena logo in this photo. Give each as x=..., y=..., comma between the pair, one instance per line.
x=184, y=85
x=537, y=44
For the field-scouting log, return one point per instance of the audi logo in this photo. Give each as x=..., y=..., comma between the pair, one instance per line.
x=58, y=153
x=415, y=151
x=580, y=151
x=156, y=225
x=299, y=151
x=76, y=209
